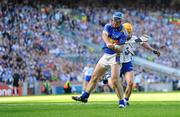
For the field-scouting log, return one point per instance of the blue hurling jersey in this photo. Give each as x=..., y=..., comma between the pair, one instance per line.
x=116, y=35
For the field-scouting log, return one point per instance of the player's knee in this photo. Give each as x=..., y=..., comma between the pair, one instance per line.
x=130, y=83
x=114, y=81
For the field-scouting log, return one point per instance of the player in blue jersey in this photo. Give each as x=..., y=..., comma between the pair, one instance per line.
x=125, y=59
x=113, y=35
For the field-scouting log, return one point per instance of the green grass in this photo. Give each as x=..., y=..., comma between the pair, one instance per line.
x=99, y=105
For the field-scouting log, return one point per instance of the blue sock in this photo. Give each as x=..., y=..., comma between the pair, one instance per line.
x=85, y=95
x=127, y=99
x=121, y=102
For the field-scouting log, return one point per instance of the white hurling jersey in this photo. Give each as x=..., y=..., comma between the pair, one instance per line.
x=126, y=55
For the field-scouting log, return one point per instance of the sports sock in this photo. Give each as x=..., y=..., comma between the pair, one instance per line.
x=85, y=95
x=127, y=99
x=121, y=102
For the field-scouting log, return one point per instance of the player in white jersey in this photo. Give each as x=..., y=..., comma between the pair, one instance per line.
x=87, y=72
x=125, y=59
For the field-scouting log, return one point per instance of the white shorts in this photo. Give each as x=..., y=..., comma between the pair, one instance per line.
x=109, y=59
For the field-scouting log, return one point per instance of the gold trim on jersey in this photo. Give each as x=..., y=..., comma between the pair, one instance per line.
x=113, y=41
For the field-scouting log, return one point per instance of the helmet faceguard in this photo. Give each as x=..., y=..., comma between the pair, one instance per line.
x=117, y=19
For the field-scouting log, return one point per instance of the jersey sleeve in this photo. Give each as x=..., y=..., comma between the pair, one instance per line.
x=135, y=37
x=123, y=38
x=107, y=29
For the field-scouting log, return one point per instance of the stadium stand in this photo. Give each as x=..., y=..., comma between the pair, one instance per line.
x=38, y=39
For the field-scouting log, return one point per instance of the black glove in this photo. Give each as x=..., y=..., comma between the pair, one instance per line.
x=156, y=52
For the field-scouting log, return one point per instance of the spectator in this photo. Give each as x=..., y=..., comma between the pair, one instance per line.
x=67, y=87
x=16, y=83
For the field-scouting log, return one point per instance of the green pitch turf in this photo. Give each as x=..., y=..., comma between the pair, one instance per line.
x=99, y=105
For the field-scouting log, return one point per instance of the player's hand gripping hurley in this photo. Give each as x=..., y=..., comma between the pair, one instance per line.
x=143, y=38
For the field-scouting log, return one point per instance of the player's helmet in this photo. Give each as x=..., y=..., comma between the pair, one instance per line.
x=116, y=19
x=128, y=27
x=117, y=16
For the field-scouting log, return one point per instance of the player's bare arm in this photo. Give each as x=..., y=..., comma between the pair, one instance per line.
x=106, y=40
x=147, y=46
x=114, y=46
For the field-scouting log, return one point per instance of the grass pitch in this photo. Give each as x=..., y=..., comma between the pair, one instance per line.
x=99, y=105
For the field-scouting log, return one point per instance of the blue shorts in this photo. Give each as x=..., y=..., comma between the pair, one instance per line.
x=126, y=67
x=87, y=78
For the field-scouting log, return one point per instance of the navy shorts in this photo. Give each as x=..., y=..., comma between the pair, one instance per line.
x=87, y=78
x=126, y=67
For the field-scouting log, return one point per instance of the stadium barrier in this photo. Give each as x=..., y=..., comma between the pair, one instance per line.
x=156, y=67
x=164, y=87
x=60, y=89
x=37, y=88
x=24, y=89
x=6, y=90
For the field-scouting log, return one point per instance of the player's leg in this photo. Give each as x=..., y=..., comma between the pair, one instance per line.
x=14, y=91
x=85, y=82
x=116, y=85
x=122, y=73
x=84, y=85
x=97, y=74
x=129, y=80
x=128, y=75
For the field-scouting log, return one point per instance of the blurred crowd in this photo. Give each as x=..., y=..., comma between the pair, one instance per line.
x=33, y=38
x=164, y=33
x=30, y=44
